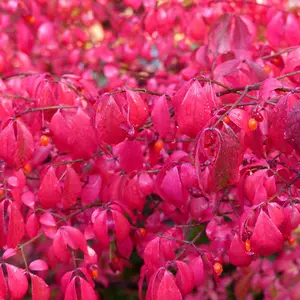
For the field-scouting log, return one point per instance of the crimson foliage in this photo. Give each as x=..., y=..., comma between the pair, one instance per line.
x=150, y=147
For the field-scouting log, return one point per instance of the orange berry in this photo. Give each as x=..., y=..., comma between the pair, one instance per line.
x=252, y=124
x=1, y=193
x=247, y=245
x=115, y=260
x=143, y=231
x=95, y=273
x=30, y=19
x=267, y=69
x=27, y=168
x=218, y=268
x=226, y=119
x=291, y=240
x=159, y=145
x=44, y=140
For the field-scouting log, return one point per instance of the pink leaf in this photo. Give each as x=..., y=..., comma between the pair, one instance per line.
x=108, y=121
x=291, y=29
x=237, y=254
x=8, y=144
x=184, y=278
x=241, y=38
x=90, y=191
x=25, y=146
x=61, y=132
x=86, y=290
x=72, y=188
x=131, y=156
x=100, y=228
x=275, y=29
x=223, y=164
x=32, y=225
x=194, y=111
x=38, y=265
x=219, y=36
x=3, y=285
x=40, y=290
x=266, y=239
x=49, y=193
x=82, y=136
x=9, y=253
x=197, y=268
x=74, y=238
x=168, y=288
x=292, y=129
x=137, y=109
x=122, y=226
x=17, y=281
x=15, y=227
x=170, y=187
x=160, y=117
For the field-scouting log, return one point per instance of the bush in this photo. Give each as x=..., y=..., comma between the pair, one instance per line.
x=149, y=149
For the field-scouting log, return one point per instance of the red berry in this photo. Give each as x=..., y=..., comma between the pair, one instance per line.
x=258, y=116
x=218, y=268
x=1, y=193
x=252, y=124
x=44, y=140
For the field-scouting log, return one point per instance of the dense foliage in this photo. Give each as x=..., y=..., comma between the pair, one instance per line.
x=149, y=149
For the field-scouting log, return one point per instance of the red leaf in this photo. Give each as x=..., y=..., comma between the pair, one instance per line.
x=74, y=238
x=160, y=117
x=100, y=228
x=184, y=278
x=241, y=39
x=275, y=29
x=60, y=248
x=82, y=136
x=137, y=109
x=291, y=30
x=108, y=121
x=197, y=268
x=40, y=290
x=72, y=188
x=266, y=239
x=25, y=146
x=49, y=192
x=219, y=36
x=32, y=225
x=70, y=292
x=17, y=281
x=168, y=288
x=61, y=130
x=170, y=187
x=8, y=144
x=237, y=254
x=15, y=227
x=122, y=226
x=223, y=163
x=87, y=291
x=131, y=156
x=194, y=111
x=3, y=285
x=292, y=129
x=38, y=265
